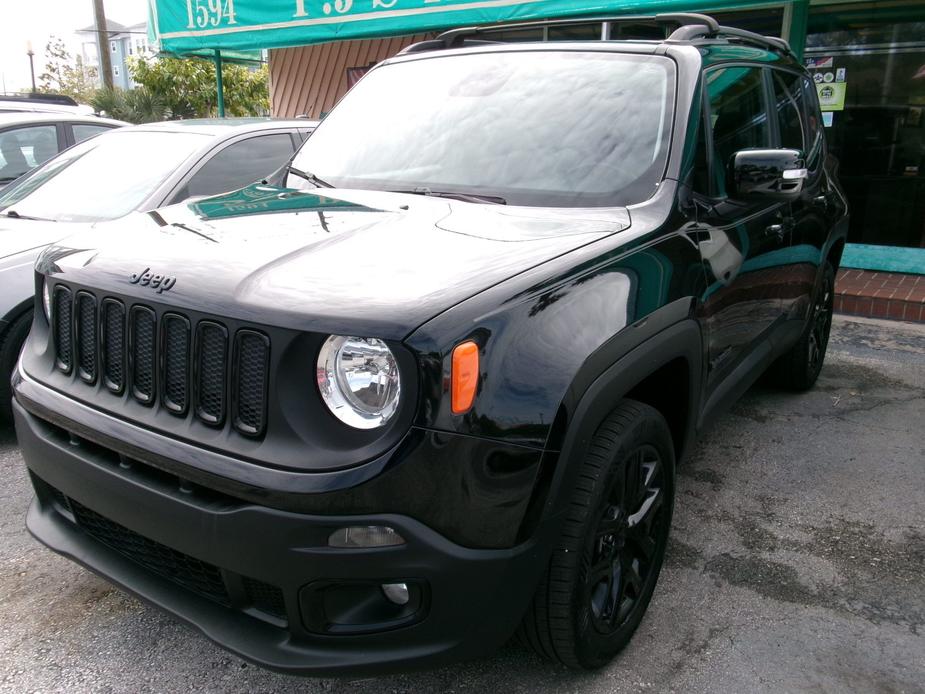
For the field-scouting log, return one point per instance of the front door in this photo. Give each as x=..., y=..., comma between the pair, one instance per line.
x=744, y=243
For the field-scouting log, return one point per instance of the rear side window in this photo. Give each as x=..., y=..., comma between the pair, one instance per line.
x=24, y=148
x=82, y=131
x=788, y=108
x=239, y=164
x=815, y=139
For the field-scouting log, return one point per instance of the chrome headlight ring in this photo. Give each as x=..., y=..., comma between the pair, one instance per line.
x=359, y=380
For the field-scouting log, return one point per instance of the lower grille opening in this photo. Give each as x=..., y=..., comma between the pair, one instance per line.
x=200, y=577
x=265, y=597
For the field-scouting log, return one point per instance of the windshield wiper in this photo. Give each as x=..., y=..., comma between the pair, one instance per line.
x=310, y=177
x=15, y=215
x=465, y=197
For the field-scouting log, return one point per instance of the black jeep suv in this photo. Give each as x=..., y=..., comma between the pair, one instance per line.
x=427, y=385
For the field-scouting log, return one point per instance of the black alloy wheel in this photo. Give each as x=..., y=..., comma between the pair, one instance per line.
x=626, y=539
x=603, y=569
x=799, y=367
x=821, y=323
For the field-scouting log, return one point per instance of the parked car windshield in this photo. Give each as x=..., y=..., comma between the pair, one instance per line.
x=102, y=178
x=548, y=128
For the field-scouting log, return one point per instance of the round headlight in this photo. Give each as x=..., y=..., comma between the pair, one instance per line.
x=46, y=298
x=358, y=379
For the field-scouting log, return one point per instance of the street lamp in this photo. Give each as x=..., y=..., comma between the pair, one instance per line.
x=30, y=53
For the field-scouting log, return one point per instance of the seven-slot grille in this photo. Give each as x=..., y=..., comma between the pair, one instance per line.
x=164, y=360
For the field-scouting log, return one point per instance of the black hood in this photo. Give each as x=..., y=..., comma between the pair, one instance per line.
x=363, y=262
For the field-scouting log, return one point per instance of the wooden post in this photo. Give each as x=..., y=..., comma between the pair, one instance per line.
x=102, y=43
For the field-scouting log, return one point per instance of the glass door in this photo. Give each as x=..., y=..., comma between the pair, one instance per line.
x=868, y=62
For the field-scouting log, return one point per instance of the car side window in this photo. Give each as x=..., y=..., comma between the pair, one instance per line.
x=815, y=139
x=238, y=164
x=24, y=148
x=83, y=130
x=788, y=108
x=737, y=119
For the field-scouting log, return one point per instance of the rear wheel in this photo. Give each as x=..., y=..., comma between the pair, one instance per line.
x=605, y=566
x=799, y=368
x=11, y=343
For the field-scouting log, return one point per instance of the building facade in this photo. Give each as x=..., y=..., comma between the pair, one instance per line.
x=122, y=42
x=868, y=60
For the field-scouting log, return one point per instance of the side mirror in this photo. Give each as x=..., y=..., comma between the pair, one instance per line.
x=773, y=174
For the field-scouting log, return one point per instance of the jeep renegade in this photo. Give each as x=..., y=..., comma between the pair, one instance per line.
x=427, y=386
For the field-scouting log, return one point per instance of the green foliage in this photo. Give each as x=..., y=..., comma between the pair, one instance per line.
x=135, y=106
x=187, y=86
x=66, y=75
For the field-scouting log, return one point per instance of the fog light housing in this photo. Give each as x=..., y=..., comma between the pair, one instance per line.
x=357, y=536
x=348, y=606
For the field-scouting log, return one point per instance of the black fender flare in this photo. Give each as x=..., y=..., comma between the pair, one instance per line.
x=680, y=339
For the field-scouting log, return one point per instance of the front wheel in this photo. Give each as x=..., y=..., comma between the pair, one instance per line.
x=799, y=368
x=604, y=568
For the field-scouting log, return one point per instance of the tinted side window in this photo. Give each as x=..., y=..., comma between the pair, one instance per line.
x=238, y=165
x=738, y=117
x=788, y=107
x=815, y=138
x=24, y=148
x=82, y=131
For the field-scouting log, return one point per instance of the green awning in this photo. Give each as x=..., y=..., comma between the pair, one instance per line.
x=182, y=26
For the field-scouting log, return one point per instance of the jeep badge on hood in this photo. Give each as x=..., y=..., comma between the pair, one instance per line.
x=161, y=283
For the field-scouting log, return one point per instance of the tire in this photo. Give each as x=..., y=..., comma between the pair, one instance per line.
x=799, y=368
x=584, y=612
x=11, y=343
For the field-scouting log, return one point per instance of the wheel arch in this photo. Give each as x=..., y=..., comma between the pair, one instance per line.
x=651, y=372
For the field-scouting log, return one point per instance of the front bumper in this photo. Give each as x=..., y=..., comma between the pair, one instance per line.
x=98, y=508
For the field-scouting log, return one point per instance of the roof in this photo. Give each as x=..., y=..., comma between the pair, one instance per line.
x=25, y=117
x=222, y=126
x=680, y=29
x=111, y=26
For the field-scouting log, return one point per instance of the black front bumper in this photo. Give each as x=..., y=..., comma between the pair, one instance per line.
x=266, y=563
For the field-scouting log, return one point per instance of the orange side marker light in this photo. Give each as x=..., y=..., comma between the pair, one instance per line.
x=465, y=376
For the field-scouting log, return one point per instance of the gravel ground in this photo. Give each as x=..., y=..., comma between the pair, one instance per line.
x=797, y=563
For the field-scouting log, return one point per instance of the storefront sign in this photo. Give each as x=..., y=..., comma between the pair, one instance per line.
x=831, y=95
x=181, y=26
x=819, y=62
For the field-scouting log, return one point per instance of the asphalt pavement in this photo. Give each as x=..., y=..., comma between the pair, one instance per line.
x=796, y=563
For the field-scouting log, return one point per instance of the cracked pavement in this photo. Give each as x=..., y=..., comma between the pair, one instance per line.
x=796, y=563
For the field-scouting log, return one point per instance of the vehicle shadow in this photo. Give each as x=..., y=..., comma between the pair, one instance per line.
x=7, y=434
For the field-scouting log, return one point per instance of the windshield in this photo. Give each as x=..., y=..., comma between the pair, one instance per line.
x=102, y=178
x=545, y=128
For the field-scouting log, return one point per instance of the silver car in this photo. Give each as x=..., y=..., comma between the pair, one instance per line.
x=28, y=139
x=132, y=169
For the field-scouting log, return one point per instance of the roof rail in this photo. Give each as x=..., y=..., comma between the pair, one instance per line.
x=39, y=97
x=454, y=38
x=687, y=26
x=693, y=32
